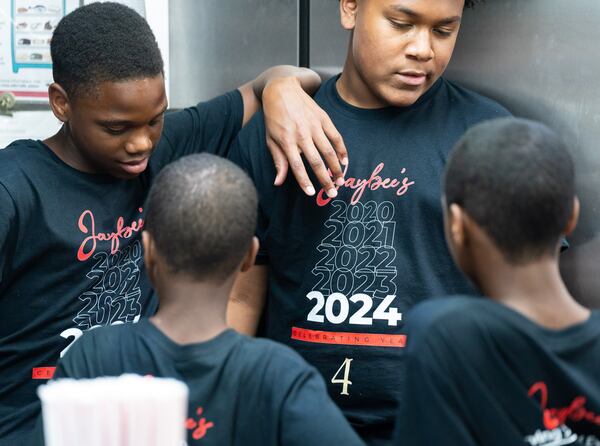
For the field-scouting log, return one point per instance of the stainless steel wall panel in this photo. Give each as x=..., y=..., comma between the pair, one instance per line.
x=216, y=45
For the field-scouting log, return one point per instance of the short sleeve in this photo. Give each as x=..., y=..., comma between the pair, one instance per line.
x=431, y=409
x=207, y=127
x=78, y=362
x=250, y=152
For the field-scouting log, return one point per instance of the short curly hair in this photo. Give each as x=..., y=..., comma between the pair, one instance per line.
x=103, y=42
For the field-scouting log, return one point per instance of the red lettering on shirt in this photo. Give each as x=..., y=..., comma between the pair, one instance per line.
x=555, y=417
x=374, y=182
x=87, y=225
x=345, y=338
x=42, y=372
x=199, y=427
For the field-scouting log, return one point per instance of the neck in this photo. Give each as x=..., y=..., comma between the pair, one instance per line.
x=191, y=311
x=535, y=290
x=62, y=146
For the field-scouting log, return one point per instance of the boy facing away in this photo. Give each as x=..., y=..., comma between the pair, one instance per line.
x=71, y=207
x=340, y=273
x=243, y=391
x=521, y=367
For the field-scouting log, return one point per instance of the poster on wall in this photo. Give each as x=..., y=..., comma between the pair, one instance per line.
x=26, y=28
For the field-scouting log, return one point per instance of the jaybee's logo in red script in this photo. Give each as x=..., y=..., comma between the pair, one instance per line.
x=374, y=182
x=556, y=416
x=87, y=225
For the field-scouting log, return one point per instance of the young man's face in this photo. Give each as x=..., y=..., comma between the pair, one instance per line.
x=116, y=130
x=399, y=48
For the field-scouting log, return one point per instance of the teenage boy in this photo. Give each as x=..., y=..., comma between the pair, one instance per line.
x=71, y=207
x=341, y=272
x=242, y=390
x=523, y=366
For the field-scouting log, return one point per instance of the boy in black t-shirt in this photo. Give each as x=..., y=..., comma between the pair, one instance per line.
x=522, y=367
x=71, y=207
x=341, y=272
x=243, y=391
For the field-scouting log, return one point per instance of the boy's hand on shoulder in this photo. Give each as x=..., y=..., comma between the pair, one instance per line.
x=296, y=126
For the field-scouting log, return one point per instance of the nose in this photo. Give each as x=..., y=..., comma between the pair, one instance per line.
x=139, y=143
x=420, y=47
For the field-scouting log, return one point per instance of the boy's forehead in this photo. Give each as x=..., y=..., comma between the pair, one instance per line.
x=139, y=96
x=424, y=9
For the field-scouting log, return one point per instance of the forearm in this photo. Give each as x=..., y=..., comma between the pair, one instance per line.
x=307, y=78
x=276, y=81
x=247, y=300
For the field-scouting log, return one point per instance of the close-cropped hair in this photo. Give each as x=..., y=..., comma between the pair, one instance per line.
x=201, y=212
x=103, y=42
x=516, y=179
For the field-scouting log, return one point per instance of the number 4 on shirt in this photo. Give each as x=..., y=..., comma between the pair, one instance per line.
x=345, y=381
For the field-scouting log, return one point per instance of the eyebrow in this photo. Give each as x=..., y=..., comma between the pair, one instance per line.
x=409, y=12
x=117, y=122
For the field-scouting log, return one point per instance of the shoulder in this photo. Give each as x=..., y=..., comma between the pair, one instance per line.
x=474, y=105
x=207, y=112
x=274, y=361
x=445, y=324
x=17, y=155
x=20, y=161
x=105, y=340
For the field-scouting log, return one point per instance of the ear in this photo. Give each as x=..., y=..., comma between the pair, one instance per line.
x=348, y=10
x=456, y=225
x=572, y=223
x=149, y=255
x=250, y=257
x=59, y=102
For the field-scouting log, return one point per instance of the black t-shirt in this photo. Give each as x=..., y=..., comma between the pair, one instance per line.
x=343, y=271
x=479, y=373
x=71, y=254
x=243, y=391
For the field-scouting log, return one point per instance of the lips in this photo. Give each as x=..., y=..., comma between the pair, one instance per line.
x=412, y=77
x=135, y=167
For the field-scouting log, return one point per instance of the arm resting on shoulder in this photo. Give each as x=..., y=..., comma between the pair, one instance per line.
x=247, y=300
x=296, y=125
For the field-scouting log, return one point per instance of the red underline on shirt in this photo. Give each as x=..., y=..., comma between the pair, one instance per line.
x=42, y=372
x=345, y=338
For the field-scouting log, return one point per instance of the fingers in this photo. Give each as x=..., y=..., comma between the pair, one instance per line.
x=280, y=160
x=297, y=166
x=315, y=162
x=329, y=155
x=335, y=139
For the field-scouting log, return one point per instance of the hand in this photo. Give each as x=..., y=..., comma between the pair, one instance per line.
x=295, y=126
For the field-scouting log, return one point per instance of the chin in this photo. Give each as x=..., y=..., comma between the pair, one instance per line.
x=397, y=97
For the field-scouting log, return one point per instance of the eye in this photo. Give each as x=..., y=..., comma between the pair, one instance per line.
x=443, y=32
x=156, y=121
x=400, y=25
x=115, y=130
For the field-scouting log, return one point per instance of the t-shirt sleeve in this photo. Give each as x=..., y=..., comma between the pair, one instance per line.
x=207, y=127
x=79, y=361
x=431, y=409
x=250, y=152
x=310, y=417
x=8, y=232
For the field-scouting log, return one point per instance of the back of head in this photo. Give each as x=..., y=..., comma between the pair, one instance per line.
x=103, y=42
x=516, y=180
x=201, y=213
